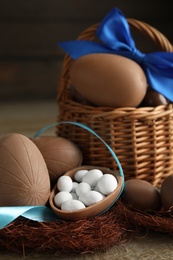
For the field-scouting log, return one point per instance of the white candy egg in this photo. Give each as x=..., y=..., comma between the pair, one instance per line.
x=92, y=177
x=72, y=205
x=65, y=183
x=79, y=175
x=107, y=184
x=61, y=197
x=75, y=184
x=91, y=197
x=74, y=195
x=83, y=187
x=96, y=188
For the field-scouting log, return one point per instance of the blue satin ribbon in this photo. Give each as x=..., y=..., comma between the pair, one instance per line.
x=36, y=213
x=115, y=36
x=43, y=213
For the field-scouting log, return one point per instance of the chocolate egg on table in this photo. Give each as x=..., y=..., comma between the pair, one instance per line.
x=60, y=154
x=141, y=194
x=24, y=177
x=166, y=192
x=109, y=80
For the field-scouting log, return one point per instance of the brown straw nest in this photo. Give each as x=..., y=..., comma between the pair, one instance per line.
x=161, y=221
x=115, y=226
x=83, y=235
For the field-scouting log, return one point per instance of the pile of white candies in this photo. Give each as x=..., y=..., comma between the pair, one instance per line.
x=88, y=188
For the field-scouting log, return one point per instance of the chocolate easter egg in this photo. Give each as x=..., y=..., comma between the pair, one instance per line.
x=153, y=98
x=109, y=80
x=166, y=192
x=60, y=154
x=24, y=177
x=141, y=195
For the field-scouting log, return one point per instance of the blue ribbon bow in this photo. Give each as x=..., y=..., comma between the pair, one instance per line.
x=115, y=36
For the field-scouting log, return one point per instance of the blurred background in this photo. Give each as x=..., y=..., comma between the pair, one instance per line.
x=30, y=60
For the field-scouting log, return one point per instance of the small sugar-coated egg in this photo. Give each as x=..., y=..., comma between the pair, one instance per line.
x=91, y=197
x=107, y=184
x=74, y=195
x=75, y=184
x=79, y=175
x=92, y=177
x=61, y=197
x=96, y=188
x=83, y=187
x=72, y=205
x=65, y=183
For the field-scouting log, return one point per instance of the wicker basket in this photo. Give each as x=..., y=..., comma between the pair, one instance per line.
x=142, y=138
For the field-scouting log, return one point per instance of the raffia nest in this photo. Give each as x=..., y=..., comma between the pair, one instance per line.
x=85, y=235
x=115, y=226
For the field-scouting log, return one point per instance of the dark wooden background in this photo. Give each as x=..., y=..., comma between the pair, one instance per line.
x=30, y=60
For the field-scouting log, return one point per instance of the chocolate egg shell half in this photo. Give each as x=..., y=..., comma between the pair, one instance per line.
x=24, y=177
x=141, y=195
x=95, y=209
x=166, y=192
x=60, y=155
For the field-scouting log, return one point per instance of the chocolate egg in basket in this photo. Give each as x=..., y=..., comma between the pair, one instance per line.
x=94, y=209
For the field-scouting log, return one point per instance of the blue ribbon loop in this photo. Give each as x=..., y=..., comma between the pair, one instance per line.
x=43, y=213
x=115, y=36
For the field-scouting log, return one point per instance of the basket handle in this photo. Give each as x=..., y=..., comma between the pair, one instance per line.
x=152, y=33
x=89, y=34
